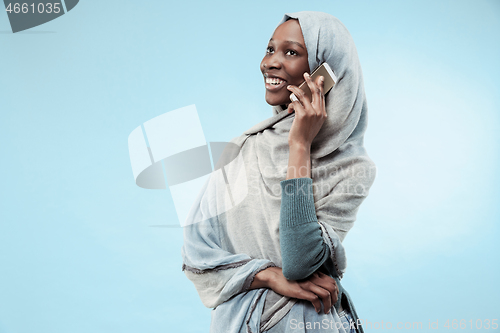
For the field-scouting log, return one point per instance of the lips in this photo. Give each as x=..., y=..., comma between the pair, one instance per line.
x=273, y=82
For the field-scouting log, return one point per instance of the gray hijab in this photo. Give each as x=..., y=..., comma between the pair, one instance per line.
x=234, y=230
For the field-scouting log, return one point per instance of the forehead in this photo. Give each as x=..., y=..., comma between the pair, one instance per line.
x=289, y=31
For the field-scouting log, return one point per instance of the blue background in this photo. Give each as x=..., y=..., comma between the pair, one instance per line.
x=78, y=250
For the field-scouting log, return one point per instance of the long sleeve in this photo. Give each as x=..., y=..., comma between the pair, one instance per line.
x=303, y=249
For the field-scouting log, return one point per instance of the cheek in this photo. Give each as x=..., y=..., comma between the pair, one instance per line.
x=298, y=70
x=296, y=73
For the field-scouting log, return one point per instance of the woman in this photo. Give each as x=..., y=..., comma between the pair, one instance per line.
x=264, y=244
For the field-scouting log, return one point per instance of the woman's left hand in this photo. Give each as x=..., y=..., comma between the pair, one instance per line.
x=309, y=115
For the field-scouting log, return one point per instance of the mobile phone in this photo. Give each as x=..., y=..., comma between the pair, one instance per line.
x=323, y=70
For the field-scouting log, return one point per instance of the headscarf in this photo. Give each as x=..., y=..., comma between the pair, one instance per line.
x=235, y=221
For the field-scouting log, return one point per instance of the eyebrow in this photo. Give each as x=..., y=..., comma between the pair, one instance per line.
x=292, y=42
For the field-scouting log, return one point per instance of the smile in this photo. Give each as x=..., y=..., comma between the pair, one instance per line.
x=274, y=83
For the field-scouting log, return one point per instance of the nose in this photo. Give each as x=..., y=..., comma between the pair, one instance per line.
x=272, y=61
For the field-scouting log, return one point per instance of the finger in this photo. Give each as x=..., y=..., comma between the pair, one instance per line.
x=301, y=96
x=324, y=295
x=321, y=84
x=321, y=101
x=328, y=283
x=315, y=89
x=298, y=108
x=320, y=292
x=313, y=298
x=295, y=91
x=326, y=277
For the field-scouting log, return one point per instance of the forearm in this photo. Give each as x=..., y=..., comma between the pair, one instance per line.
x=299, y=161
x=303, y=250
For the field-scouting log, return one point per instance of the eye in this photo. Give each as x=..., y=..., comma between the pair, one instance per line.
x=269, y=49
x=291, y=52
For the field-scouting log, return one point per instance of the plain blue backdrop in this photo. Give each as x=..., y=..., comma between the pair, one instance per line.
x=78, y=248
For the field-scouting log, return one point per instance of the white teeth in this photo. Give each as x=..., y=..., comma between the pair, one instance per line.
x=273, y=80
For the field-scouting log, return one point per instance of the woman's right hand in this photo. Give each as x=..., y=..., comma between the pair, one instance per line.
x=317, y=288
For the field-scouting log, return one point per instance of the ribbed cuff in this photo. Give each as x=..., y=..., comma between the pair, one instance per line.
x=297, y=202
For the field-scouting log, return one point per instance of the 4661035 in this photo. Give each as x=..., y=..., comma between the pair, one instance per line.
x=31, y=8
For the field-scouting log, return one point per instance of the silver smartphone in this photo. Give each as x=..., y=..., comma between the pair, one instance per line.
x=323, y=70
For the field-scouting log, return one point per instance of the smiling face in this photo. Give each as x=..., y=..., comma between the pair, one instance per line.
x=285, y=62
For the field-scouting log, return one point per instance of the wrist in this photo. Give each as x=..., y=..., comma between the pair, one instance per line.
x=299, y=146
x=261, y=279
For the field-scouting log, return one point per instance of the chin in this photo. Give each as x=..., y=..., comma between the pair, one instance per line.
x=274, y=101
